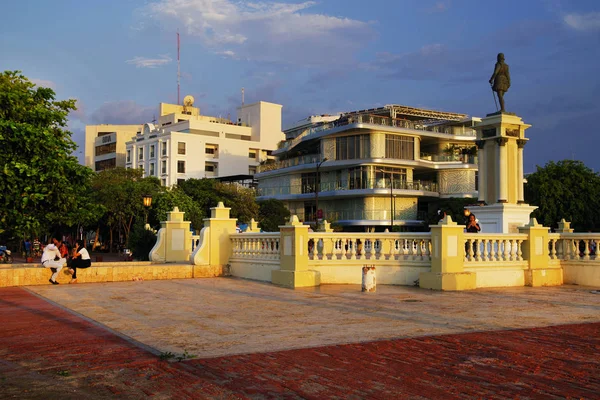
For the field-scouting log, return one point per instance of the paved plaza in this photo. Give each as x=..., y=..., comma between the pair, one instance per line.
x=255, y=340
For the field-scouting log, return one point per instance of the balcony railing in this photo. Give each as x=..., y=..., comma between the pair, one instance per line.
x=468, y=159
x=358, y=184
x=380, y=120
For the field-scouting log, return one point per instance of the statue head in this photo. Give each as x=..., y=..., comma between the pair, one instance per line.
x=500, y=57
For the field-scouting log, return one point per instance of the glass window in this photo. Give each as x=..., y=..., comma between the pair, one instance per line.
x=400, y=147
x=163, y=146
x=252, y=154
x=163, y=182
x=352, y=147
x=151, y=151
x=141, y=153
x=209, y=150
x=180, y=181
x=128, y=156
x=210, y=167
x=251, y=170
x=181, y=167
x=163, y=167
x=180, y=147
x=152, y=172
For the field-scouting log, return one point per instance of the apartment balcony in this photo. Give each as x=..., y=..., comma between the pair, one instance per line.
x=377, y=186
x=464, y=158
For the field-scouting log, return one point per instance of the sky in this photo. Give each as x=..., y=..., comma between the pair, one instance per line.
x=118, y=59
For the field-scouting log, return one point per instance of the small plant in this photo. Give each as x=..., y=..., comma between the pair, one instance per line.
x=63, y=373
x=166, y=356
x=186, y=356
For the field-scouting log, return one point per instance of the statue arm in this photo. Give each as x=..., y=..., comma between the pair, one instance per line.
x=496, y=70
x=508, y=75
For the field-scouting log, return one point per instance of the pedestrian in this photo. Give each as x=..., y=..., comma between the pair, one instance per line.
x=51, y=258
x=27, y=247
x=472, y=227
x=81, y=259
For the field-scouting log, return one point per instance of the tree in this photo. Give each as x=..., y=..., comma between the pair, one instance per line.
x=120, y=192
x=565, y=189
x=166, y=200
x=271, y=214
x=42, y=183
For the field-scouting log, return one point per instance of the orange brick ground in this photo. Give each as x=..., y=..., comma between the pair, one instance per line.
x=39, y=340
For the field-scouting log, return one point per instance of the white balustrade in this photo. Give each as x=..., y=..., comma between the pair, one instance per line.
x=576, y=246
x=370, y=246
x=480, y=248
x=260, y=246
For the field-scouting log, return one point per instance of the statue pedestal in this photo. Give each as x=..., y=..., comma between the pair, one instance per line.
x=502, y=217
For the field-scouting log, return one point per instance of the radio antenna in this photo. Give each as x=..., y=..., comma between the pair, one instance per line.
x=178, y=70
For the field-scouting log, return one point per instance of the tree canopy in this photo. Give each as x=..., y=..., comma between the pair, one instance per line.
x=42, y=183
x=565, y=189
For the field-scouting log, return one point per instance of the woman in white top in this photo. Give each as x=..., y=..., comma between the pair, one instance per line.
x=81, y=259
x=52, y=259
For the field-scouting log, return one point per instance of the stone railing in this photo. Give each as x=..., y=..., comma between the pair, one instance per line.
x=574, y=246
x=369, y=246
x=493, y=248
x=255, y=246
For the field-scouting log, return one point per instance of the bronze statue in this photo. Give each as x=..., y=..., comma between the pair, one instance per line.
x=501, y=79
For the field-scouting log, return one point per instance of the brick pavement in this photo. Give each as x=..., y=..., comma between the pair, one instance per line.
x=40, y=342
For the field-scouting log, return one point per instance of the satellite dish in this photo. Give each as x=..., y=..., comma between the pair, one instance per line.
x=188, y=101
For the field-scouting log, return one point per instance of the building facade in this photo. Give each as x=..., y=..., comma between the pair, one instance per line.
x=105, y=145
x=184, y=144
x=371, y=169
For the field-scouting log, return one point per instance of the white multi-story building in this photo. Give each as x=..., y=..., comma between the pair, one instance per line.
x=105, y=145
x=184, y=144
x=373, y=168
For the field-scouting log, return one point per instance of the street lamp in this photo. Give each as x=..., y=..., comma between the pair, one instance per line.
x=147, y=204
x=391, y=194
x=317, y=188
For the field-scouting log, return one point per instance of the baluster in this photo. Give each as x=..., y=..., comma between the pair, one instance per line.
x=553, y=249
x=505, y=254
x=427, y=244
x=470, y=249
x=594, y=245
x=485, y=253
x=586, y=251
x=519, y=250
x=575, y=249
x=559, y=249
x=420, y=250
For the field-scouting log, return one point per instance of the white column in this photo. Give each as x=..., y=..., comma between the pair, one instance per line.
x=502, y=170
x=481, y=170
x=520, y=196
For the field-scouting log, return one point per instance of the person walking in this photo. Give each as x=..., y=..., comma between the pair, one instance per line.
x=51, y=259
x=81, y=259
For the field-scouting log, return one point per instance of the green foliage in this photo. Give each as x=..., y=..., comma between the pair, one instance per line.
x=141, y=241
x=208, y=192
x=43, y=185
x=166, y=200
x=271, y=214
x=565, y=189
x=120, y=191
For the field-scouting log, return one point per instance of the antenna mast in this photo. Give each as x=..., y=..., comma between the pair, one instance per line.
x=178, y=70
x=242, y=97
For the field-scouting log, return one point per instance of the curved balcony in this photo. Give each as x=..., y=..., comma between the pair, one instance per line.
x=359, y=184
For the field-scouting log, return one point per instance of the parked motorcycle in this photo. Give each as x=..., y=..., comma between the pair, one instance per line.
x=5, y=255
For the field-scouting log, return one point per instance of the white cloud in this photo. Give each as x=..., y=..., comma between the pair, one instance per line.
x=143, y=62
x=265, y=31
x=227, y=53
x=43, y=83
x=583, y=22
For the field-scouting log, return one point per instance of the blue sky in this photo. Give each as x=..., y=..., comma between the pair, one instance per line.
x=118, y=59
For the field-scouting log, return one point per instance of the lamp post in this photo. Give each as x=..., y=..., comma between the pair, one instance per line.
x=317, y=188
x=391, y=195
x=147, y=204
